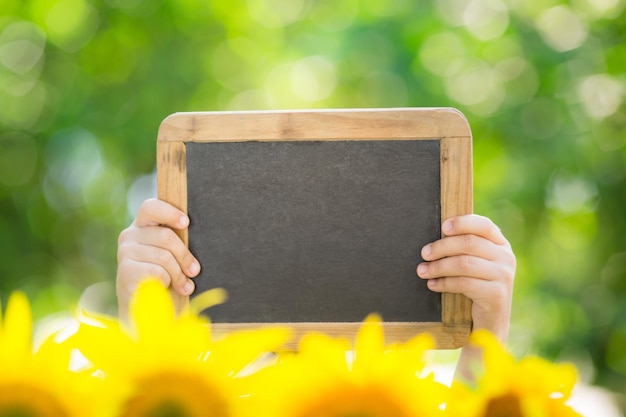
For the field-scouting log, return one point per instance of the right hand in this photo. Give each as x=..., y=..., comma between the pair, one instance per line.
x=149, y=247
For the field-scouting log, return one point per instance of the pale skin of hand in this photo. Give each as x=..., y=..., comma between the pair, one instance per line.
x=475, y=259
x=150, y=247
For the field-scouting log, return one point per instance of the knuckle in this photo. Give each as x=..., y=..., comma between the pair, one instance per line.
x=464, y=285
x=173, y=268
x=157, y=271
x=148, y=204
x=144, y=210
x=458, y=284
x=167, y=261
x=186, y=258
x=164, y=259
x=497, y=291
x=509, y=274
x=499, y=297
x=465, y=262
x=130, y=274
x=510, y=267
x=493, y=228
x=469, y=242
x=167, y=237
x=512, y=260
x=123, y=251
x=124, y=271
x=124, y=236
x=125, y=286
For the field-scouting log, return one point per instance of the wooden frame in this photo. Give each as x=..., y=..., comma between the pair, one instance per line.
x=444, y=124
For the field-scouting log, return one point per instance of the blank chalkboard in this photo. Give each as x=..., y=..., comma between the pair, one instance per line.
x=317, y=218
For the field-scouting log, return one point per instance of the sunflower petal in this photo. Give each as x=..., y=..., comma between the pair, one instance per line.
x=370, y=339
x=494, y=354
x=90, y=340
x=16, y=336
x=239, y=349
x=207, y=299
x=151, y=311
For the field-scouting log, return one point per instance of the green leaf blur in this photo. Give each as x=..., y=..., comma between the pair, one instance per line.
x=84, y=85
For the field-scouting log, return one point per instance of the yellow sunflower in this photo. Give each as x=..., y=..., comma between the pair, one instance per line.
x=530, y=387
x=166, y=364
x=326, y=378
x=38, y=383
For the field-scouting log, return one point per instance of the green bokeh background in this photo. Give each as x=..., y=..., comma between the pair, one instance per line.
x=84, y=85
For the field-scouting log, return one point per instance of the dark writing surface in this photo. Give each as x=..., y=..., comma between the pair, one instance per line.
x=315, y=231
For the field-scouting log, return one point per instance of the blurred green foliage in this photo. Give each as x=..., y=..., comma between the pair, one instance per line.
x=84, y=85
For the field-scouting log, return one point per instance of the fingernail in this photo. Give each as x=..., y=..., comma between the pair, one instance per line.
x=432, y=283
x=184, y=221
x=422, y=269
x=188, y=288
x=426, y=250
x=447, y=226
x=194, y=268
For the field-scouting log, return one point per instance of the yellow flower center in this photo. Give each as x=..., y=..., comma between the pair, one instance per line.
x=351, y=401
x=23, y=400
x=504, y=406
x=171, y=394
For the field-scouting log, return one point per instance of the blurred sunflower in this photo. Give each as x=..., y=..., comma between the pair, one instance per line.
x=531, y=387
x=38, y=383
x=326, y=378
x=166, y=364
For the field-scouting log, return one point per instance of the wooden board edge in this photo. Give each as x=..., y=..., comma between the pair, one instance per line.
x=323, y=124
x=445, y=337
x=172, y=188
x=457, y=199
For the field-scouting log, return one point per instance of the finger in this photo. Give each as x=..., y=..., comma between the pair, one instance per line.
x=135, y=270
x=488, y=295
x=476, y=225
x=161, y=238
x=491, y=301
x=156, y=261
x=130, y=273
x=154, y=212
x=456, y=285
x=462, y=265
x=468, y=244
x=165, y=259
x=165, y=238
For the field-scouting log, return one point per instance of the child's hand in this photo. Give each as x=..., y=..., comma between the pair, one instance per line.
x=149, y=247
x=475, y=259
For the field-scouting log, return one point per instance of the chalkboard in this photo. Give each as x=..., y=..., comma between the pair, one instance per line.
x=316, y=218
